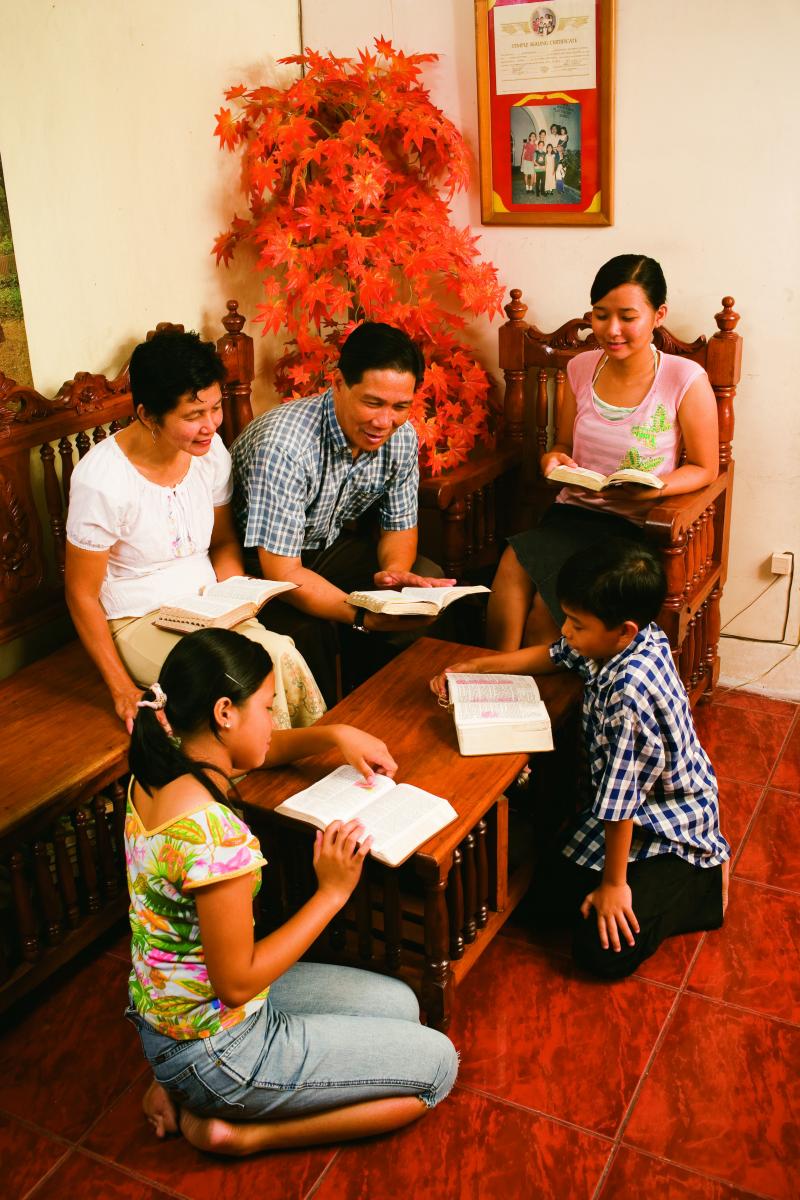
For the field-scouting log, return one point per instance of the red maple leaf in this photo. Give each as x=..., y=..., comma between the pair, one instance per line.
x=226, y=129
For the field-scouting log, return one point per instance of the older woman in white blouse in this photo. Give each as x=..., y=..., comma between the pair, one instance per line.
x=149, y=522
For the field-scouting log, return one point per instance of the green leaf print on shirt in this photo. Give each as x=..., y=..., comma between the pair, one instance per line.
x=658, y=423
x=634, y=460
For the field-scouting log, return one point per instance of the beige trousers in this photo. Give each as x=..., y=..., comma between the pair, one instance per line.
x=142, y=646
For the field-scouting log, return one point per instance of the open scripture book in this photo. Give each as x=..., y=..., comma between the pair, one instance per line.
x=583, y=477
x=498, y=714
x=399, y=816
x=220, y=606
x=412, y=601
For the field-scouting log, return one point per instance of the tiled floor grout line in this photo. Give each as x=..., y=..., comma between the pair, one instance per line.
x=132, y=1173
x=766, y=887
x=317, y=1184
x=537, y=1112
x=789, y=733
x=671, y=1162
x=741, y=1008
x=47, y=1175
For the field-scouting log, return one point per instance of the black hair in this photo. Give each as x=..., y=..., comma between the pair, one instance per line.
x=374, y=346
x=199, y=670
x=617, y=580
x=631, y=268
x=169, y=365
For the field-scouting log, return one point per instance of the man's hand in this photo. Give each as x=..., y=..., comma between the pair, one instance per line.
x=400, y=579
x=389, y=623
x=613, y=904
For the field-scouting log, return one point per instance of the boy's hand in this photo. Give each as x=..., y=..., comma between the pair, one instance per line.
x=438, y=684
x=613, y=903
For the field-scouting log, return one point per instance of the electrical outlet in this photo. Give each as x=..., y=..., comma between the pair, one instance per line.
x=782, y=563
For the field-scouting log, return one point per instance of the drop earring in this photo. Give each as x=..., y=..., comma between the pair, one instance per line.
x=153, y=432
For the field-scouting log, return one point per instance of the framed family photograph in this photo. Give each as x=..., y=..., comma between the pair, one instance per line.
x=546, y=111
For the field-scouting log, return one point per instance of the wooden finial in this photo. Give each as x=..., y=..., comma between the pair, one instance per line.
x=516, y=309
x=727, y=320
x=234, y=322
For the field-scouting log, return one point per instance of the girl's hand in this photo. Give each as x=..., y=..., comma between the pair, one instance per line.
x=555, y=458
x=438, y=684
x=339, y=855
x=361, y=750
x=613, y=904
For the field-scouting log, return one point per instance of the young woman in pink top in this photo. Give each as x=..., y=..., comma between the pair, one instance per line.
x=626, y=405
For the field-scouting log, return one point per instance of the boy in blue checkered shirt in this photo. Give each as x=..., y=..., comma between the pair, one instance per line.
x=646, y=855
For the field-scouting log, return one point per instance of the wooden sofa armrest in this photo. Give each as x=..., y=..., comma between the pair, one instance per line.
x=671, y=518
x=483, y=468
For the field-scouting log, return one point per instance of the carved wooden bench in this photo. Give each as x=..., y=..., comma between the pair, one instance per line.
x=63, y=755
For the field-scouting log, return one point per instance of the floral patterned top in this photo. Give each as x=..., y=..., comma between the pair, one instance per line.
x=169, y=982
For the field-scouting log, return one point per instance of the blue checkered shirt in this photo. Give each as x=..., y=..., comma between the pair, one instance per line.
x=645, y=761
x=296, y=481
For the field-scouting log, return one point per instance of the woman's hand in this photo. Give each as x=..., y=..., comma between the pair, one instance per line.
x=361, y=750
x=339, y=855
x=553, y=459
x=125, y=704
x=475, y=666
x=613, y=903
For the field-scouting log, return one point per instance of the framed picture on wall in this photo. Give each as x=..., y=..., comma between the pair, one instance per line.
x=546, y=111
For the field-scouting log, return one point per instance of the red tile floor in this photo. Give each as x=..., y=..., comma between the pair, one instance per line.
x=683, y=1081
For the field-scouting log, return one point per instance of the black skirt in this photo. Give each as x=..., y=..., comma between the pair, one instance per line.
x=563, y=531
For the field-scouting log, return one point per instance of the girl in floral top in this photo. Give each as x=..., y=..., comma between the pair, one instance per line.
x=250, y=1048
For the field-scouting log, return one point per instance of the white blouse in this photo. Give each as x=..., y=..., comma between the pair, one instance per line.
x=158, y=537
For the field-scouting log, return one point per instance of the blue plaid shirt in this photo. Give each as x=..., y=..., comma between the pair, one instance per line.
x=645, y=761
x=296, y=481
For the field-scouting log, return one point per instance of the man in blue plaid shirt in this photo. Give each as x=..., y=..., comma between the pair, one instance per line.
x=646, y=854
x=306, y=469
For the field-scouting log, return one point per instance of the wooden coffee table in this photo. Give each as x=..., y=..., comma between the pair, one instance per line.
x=430, y=919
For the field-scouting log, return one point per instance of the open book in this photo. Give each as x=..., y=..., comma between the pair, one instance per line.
x=399, y=816
x=583, y=477
x=220, y=606
x=498, y=714
x=412, y=601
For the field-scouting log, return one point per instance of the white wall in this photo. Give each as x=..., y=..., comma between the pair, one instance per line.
x=117, y=190
x=707, y=180
x=116, y=185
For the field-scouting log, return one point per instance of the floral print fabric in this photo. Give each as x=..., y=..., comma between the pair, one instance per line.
x=169, y=982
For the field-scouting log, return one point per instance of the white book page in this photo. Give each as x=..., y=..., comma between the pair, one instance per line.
x=203, y=606
x=340, y=796
x=239, y=589
x=401, y=821
x=501, y=698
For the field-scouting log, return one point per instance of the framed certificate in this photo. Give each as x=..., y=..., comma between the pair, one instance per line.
x=546, y=111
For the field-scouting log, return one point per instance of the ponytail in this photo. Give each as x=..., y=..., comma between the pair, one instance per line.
x=199, y=670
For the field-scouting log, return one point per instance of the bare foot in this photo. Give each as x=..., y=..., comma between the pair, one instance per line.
x=726, y=875
x=160, y=1110
x=216, y=1136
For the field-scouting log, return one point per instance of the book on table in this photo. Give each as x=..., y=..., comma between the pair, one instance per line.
x=412, y=601
x=498, y=714
x=595, y=482
x=220, y=605
x=399, y=816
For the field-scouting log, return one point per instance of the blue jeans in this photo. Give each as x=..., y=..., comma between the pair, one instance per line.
x=325, y=1037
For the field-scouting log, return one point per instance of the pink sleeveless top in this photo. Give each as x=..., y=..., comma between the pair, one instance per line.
x=648, y=439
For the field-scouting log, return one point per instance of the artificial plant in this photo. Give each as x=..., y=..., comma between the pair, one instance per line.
x=348, y=175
